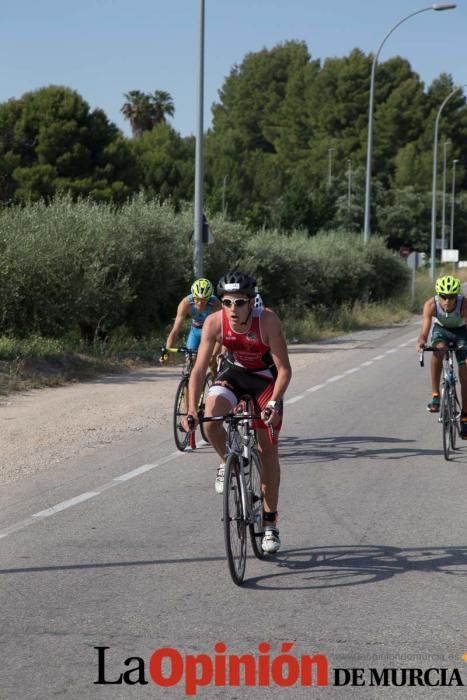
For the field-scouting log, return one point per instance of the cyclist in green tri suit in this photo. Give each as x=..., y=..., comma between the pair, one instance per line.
x=447, y=311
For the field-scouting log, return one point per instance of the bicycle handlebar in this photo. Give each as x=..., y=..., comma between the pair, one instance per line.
x=228, y=418
x=183, y=349
x=452, y=347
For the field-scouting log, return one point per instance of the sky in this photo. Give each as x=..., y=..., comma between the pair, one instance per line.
x=105, y=48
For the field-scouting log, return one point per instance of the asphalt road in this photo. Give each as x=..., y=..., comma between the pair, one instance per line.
x=125, y=551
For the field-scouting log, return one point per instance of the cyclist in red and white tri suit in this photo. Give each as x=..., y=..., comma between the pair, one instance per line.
x=254, y=361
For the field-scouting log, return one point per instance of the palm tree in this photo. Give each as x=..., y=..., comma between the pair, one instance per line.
x=138, y=110
x=162, y=105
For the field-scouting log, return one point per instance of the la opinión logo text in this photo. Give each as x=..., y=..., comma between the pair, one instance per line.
x=168, y=667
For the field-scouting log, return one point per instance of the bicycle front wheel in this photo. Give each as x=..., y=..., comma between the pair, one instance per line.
x=180, y=410
x=234, y=521
x=256, y=505
x=455, y=417
x=445, y=418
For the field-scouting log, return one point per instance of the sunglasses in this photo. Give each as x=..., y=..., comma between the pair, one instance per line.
x=199, y=299
x=235, y=302
x=448, y=296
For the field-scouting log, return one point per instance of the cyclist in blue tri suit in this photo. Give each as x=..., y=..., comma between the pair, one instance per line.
x=198, y=304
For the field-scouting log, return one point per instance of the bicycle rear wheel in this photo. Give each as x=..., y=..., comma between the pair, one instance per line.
x=207, y=385
x=234, y=521
x=180, y=410
x=255, y=493
x=445, y=418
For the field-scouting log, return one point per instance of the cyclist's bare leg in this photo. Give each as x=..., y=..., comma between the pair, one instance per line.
x=215, y=432
x=270, y=470
x=463, y=383
x=436, y=367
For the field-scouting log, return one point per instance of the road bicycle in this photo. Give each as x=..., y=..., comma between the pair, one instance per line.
x=184, y=440
x=450, y=408
x=243, y=494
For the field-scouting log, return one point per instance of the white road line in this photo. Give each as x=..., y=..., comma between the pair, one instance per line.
x=316, y=387
x=59, y=507
x=135, y=472
x=143, y=469
x=351, y=371
x=366, y=364
x=334, y=379
x=378, y=357
x=66, y=504
x=294, y=399
x=388, y=352
x=17, y=526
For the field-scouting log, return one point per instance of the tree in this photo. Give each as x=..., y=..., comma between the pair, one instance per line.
x=165, y=163
x=50, y=141
x=162, y=105
x=250, y=135
x=145, y=111
x=137, y=109
x=404, y=216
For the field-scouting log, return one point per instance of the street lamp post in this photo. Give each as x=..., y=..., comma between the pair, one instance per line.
x=433, y=190
x=224, y=187
x=453, y=199
x=349, y=191
x=330, y=152
x=443, y=217
x=437, y=7
x=199, y=165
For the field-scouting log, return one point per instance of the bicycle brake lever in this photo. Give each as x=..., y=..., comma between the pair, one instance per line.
x=191, y=422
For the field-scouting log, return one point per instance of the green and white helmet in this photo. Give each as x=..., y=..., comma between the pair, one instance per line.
x=448, y=285
x=202, y=288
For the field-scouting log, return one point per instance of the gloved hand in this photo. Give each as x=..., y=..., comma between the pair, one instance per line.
x=269, y=413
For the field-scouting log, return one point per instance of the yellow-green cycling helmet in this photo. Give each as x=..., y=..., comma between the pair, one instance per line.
x=202, y=288
x=448, y=285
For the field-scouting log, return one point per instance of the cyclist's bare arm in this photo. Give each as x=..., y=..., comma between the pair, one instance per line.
x=215, y=357
x=183, y=311
x=429, y=311
x=273, y=335
x=209, y=338
x=464, y=308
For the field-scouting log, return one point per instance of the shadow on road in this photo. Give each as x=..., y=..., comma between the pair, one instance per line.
x=333, y=567
x=310, y=567
x=325, y=449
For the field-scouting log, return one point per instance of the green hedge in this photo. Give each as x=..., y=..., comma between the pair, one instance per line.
x=324, y=271
x=90, y=266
